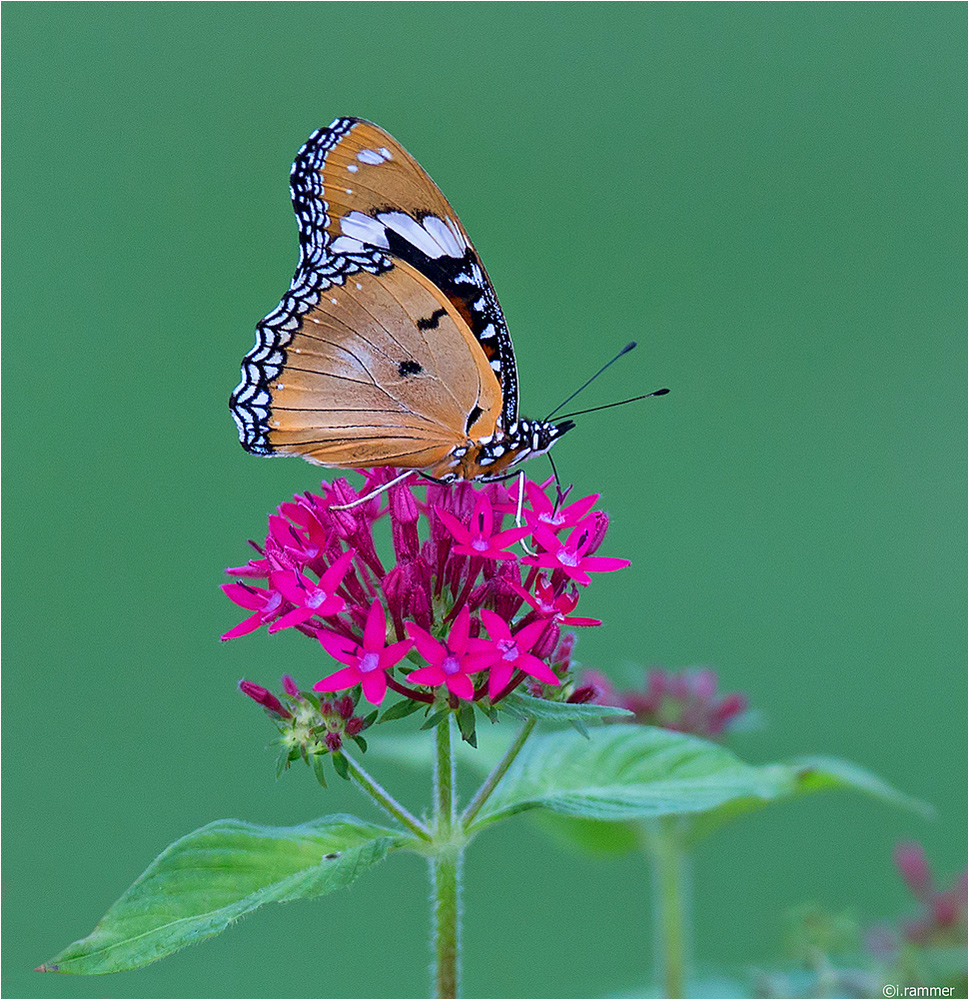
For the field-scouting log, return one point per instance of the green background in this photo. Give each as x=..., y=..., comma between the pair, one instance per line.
x=769, y=197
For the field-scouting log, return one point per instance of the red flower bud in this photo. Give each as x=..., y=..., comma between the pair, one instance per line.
x=265, y=698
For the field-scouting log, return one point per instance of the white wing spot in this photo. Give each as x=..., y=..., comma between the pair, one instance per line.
x=352, y=167
x=333, y=301
x=374, y=156
x=346, y=244
x=359, y=286
x=443, y=235
x=488, y=332
x=496, y=365
x=361, y=227
x=415, y=234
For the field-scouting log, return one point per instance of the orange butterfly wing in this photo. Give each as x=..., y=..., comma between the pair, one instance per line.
x=383, y=371
x=390, y=346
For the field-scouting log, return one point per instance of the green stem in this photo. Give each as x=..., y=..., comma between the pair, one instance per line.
x=497, y=773
x=385, y=800
x=671, y=895
x=445, y=870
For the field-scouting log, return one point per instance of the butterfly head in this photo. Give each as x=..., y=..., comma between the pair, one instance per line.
x=489, y=458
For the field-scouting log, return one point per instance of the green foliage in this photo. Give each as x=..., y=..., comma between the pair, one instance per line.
x=635, y=772
x=200, y=884
x=524, y=706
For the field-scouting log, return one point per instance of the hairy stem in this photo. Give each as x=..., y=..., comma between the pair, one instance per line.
x=497, y=773
x=671, y=897
x=445, y=870
x=385, y=800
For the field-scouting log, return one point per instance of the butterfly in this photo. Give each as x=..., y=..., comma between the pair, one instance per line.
x=390, y=348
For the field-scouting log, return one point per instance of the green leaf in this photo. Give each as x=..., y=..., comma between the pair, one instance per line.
x=466, y=722
x=436, y=718
x=401, y=709
x=360, y=742
x=816, y=773
x=340, y=765
x=200, y=884
x=637, y=772
x=319, y=769
x=589, y=836
x=524, y=706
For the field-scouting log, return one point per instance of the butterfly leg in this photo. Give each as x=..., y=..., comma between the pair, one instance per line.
x=373, y=493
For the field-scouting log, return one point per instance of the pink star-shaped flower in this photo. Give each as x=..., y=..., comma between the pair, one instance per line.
x=559, y=608
x=570, y=555
x=311, y=598
x=543, y=510
x=479, y=540
x=267, y=604
x=511, y=652
x=449, y=662
x=367, y=662
x=305, y=539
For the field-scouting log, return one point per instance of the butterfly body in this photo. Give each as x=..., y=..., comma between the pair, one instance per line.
x=390, y=347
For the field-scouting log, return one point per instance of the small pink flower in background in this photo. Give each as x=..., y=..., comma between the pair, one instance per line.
x=686, y=701
x=943, y=920
x=367, y=662
x=913, y=866
x=480, y=539
x=310, y=598
x=573, y=556
x=509, y=653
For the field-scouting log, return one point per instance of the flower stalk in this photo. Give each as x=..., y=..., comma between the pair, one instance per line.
x=663, y=844
x=385, y=800
x=446, y=870
x=497, y=773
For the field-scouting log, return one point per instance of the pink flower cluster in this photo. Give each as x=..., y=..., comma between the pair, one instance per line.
x=468, y=607
x=686, y=701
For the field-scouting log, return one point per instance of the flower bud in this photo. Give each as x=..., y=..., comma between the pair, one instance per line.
x=265, y=698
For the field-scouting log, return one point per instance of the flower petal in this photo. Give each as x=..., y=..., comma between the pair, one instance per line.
x=342, y=680
x=426, y=644
x=430, y=676
x=375, y=631
x=374, y=686
x=460, y=684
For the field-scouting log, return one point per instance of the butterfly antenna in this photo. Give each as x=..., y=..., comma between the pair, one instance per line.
x=621, y=402
x=373, y=493
x=588, y=382
x=560, y=494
